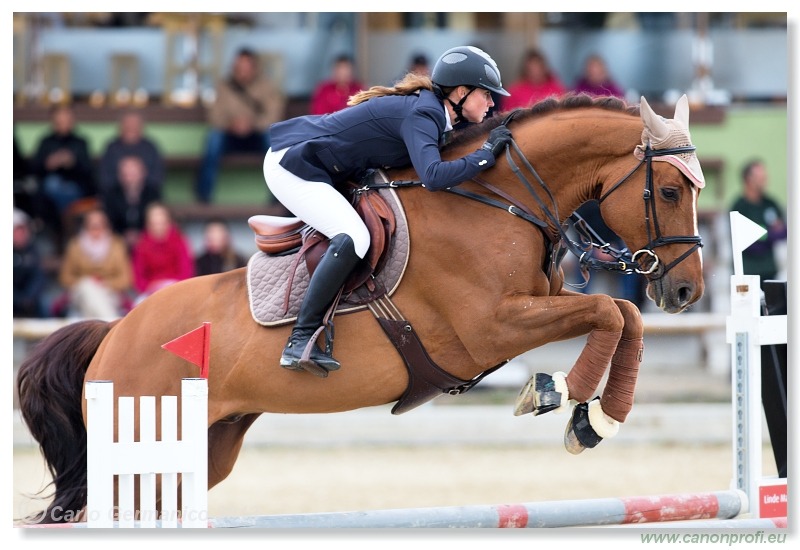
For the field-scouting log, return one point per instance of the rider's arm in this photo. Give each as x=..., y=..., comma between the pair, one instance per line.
x=421, y=135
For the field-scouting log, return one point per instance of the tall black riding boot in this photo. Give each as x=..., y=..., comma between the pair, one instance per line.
x=335, y=266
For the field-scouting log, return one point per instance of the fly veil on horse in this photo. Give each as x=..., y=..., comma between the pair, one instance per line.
x=480, y=287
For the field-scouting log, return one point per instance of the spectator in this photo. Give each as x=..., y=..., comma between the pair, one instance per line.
x=29, y=276
x=96, y=270
x=131, y=141
x=420, y=65
x=24, y=183
x=246, y=104
x=332, y=95
x=126, y=200
x=535, y=83
x=162, y=255
x=63, y=168
x=757, y=205
x=219, y=254
x=595, y=79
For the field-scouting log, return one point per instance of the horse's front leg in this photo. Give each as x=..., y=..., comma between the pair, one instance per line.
x=615, y=336
x=595, y=420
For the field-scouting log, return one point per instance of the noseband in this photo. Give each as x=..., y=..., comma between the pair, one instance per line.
x=657, y=269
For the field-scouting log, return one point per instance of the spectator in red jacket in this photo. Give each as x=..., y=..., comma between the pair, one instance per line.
x=536, y=82
x=332, y=95
x=162, y=255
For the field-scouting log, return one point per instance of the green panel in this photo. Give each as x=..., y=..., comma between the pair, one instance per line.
x=234, y=186
x=178, y=139
x=29, y=134
x=747, y=133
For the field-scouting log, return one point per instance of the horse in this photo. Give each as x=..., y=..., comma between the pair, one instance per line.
x=481, y=286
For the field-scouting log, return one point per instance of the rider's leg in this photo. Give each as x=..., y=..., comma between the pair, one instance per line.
x=325, y=209
x=331, y=273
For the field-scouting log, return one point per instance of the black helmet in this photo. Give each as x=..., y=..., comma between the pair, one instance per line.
x=467, y=66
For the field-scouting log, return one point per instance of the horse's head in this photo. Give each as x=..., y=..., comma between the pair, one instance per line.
x=661, y=227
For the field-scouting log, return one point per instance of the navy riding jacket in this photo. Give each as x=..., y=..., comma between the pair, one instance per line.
x=383, y=132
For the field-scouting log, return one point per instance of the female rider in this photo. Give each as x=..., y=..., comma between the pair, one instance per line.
x=382, y=127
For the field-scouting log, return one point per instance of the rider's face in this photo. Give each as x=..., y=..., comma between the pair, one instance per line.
x=477, y=104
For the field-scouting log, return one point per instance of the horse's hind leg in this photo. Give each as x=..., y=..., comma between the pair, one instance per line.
x=225, y=439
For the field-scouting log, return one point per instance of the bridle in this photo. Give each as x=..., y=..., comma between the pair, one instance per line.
x=657, y=269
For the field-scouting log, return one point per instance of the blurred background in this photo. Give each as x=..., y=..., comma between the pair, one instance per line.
x=169, y=74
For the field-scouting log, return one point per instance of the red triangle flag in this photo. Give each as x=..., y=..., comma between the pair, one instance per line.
x=193, y=346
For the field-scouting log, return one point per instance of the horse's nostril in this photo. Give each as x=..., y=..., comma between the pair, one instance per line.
x=685, y=294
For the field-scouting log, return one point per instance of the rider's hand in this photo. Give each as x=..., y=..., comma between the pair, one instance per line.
x=498, y=139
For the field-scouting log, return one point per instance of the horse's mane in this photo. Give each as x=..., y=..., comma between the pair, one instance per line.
x=542, y=108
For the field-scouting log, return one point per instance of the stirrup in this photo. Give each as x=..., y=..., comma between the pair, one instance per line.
x=312, y=359
x=543, y=393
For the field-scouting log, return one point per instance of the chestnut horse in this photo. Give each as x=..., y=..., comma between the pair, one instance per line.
x=476, y=289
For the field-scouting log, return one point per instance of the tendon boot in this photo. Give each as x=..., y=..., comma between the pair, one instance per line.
x=588, y=426
x=335, y=266
x=543, y=393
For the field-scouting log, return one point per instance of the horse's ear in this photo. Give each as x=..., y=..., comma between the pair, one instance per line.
x=682, y=111
x=654, y=124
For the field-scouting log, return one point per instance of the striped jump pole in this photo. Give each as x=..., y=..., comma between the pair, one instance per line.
x=565, y=513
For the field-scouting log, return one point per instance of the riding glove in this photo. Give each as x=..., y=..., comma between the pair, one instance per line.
x=498, y=139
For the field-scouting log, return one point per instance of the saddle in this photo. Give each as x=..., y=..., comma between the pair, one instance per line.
x=279, y=236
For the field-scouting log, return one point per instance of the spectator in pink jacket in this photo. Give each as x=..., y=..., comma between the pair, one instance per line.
x=332, y=95
x=162, y=255
x=536, y=82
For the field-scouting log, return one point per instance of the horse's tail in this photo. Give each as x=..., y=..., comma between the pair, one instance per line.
x=50, y=386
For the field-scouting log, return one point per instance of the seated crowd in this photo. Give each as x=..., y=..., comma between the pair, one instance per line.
x=103, y=273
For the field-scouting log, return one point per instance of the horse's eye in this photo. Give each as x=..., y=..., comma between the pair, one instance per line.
x=668, y=193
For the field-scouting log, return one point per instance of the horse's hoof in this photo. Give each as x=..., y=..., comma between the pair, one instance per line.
x=588, y=426
x=543, y=393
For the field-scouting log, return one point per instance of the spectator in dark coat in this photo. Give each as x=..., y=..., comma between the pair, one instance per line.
x=219, y=254
x=29, y=277
x=63, y=166
x=131, y=141
x=127, y=199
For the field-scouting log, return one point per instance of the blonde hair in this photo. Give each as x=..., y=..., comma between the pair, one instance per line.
x=411, y=83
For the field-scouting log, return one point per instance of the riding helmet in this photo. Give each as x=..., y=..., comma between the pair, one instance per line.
x=467, y=66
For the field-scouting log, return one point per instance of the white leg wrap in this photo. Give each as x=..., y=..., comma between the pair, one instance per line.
x=604, y=425
x=560, y=382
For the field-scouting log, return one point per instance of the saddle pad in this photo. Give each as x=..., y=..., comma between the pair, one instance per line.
x=268, y=276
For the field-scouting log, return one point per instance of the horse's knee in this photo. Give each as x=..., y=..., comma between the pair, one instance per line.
x=609, y=315
x=632, y=318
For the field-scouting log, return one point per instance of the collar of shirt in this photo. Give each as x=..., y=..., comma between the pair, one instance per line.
x=448, y=125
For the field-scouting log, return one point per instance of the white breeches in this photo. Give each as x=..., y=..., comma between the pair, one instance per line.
x=316, y=203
